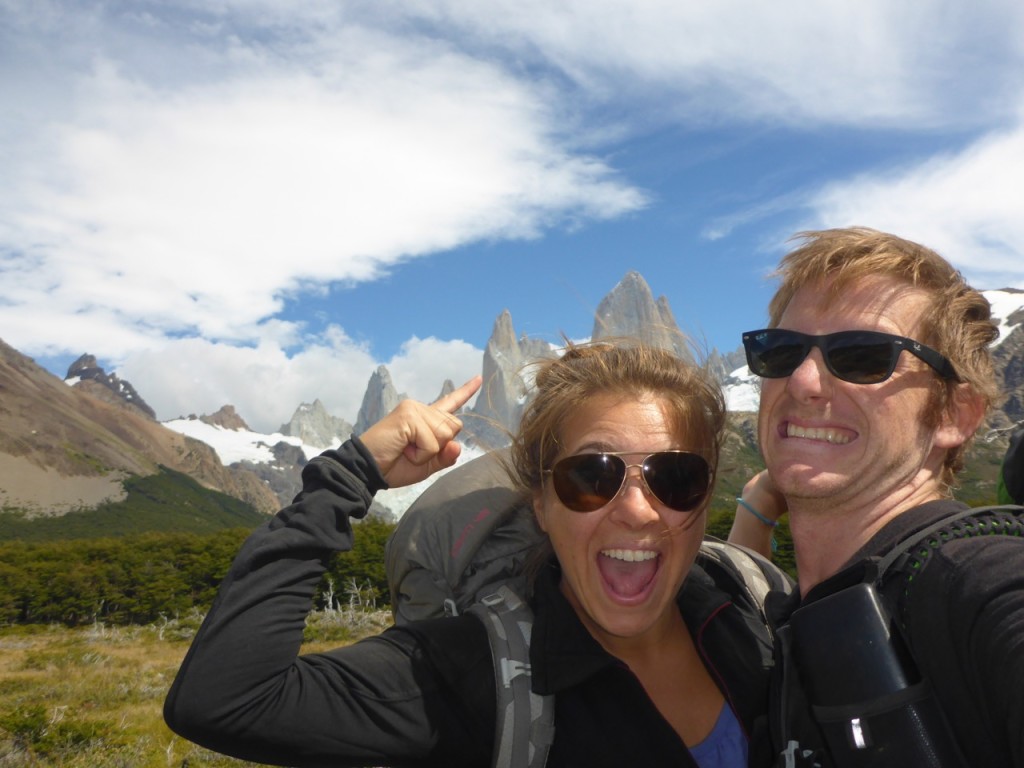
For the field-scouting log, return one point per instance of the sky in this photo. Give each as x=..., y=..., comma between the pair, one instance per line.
x=260, y=202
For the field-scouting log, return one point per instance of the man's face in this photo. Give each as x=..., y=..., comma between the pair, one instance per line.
x=830, y=443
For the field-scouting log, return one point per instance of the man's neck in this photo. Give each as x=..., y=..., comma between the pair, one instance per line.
x=826, y=536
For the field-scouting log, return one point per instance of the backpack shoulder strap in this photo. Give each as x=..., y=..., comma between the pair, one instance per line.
x=911, y=553
x=756, y=574
x=895, y=573
x=524, y=720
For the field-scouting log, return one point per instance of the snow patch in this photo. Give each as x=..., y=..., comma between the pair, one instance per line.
x=1004, y=304
x=232, y=445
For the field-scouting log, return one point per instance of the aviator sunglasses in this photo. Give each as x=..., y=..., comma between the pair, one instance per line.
x=587, y=481
x=860, y=357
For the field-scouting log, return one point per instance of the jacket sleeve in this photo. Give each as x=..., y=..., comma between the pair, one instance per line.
x=244, y=690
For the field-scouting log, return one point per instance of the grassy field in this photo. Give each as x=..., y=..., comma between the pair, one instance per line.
x=92, y=697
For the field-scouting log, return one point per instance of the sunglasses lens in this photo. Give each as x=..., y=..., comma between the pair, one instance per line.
x=679, y=480
x=860, y=357
x=860, y=360
x=588, y=481
x=775, y=354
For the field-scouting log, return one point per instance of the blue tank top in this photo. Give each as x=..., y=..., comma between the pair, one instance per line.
x=725, y=746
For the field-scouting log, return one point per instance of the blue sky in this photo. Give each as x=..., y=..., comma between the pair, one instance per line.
x=259, y=202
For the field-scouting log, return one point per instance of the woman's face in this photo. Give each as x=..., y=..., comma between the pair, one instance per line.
x=622, y=564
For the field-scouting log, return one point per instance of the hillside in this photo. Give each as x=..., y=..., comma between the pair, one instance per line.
x=166, y=501
x=63, y=449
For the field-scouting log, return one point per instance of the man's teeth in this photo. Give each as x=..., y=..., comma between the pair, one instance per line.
x=630, y=555
x=819, y=433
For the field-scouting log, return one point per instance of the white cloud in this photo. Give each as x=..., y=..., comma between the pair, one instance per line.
x=173, y=172
x=266, y=384
x=187, y=203
x=423, y=365
x=968, y=206
x=849, y=62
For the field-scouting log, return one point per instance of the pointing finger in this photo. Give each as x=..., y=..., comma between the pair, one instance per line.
x=457, y=398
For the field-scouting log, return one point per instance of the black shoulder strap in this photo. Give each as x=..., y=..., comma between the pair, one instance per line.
x=974, y=521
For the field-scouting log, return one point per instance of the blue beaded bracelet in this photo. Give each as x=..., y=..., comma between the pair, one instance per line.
x=746, y=505
x=770, y=523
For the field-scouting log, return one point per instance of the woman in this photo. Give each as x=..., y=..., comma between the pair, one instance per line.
x=618, y=450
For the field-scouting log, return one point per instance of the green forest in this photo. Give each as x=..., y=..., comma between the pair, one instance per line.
x=141, y=578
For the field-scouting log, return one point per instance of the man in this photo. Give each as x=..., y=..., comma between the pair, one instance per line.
x=876, y=374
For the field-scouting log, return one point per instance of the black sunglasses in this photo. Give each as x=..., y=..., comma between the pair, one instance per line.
x=860, y=357
x=587, y=481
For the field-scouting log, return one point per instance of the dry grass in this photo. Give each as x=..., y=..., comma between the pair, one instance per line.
x=93, y=697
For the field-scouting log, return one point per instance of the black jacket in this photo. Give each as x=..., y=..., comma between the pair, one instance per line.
x=963, y=617
x=422, y=694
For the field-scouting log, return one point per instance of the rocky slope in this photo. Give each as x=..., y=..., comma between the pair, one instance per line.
x=65, y=447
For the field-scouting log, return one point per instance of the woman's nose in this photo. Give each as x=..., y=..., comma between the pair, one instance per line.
x=633, y=505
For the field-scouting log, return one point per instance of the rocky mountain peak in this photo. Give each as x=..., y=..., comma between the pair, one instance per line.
x=85, y=373
x=503, y=335
x=380, y=399
x=69, y=448
x=503, y=394
x=630, y=310
x=447, y=387
x=84, y=367
x=227, y=418
x=312, y=424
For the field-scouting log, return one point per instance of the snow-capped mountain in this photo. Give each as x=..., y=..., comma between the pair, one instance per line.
x=506, y=395
x=247, y=448
x=236, y=445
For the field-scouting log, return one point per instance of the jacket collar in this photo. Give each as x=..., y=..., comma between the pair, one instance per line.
x=899, y=528
x=563, y=653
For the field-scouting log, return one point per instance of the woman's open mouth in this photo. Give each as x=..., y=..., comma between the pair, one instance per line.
x=628, y=574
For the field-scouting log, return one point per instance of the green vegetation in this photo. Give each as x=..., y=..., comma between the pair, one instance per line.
x=92, y=630
x=123, y=580
x=140, y=578
x=84, y=461
x=166, y=501
x=93, y=697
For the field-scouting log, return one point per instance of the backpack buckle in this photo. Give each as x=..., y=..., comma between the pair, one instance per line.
x=511, y=669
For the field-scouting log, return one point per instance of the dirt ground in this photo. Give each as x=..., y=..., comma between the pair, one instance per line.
x=39, y=491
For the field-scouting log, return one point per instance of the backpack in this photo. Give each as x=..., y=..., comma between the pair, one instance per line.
x=461, y=548
x=911, y=555
x=856, y=664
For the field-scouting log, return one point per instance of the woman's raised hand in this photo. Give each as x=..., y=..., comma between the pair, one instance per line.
x=415, y=440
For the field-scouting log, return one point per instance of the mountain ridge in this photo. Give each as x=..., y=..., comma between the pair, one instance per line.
x=71, y=448
x=630, y=310
x=70, y=445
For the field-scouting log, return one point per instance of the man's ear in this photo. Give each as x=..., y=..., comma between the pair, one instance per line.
x=961, y=419
x=538, y=508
